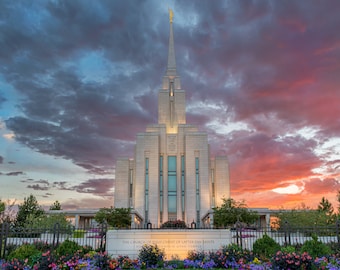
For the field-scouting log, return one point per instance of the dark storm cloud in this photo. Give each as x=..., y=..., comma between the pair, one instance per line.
x=60, y=185
x=38, y=184
x=87, y=203
x=270, y=47
x=14, y=173
x=37, y=187
x=65, y=116
x=26, y=181
x=47, y=195
x=99, y=187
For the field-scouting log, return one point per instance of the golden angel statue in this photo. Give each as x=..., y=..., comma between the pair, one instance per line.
x=171, y=15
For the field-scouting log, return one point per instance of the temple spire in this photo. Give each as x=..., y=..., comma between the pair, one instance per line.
x=171, y=69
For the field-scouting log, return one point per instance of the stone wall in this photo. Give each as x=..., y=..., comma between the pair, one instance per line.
x=176, y=243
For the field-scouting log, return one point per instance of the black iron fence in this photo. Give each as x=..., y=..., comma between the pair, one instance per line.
x=95, y=237
x=287, y=235
x=12, y=237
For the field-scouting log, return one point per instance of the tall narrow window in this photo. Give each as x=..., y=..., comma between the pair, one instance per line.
x=147, y=190
x=172, y=188
x=213, y=187
x=197, y=177
x=183, y=186
x=171, y=93
x=131, y=188
x=161, y=188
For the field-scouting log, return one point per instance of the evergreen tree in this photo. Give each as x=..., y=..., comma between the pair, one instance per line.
x=28, y=209
x=325, y=206
x=56, y=206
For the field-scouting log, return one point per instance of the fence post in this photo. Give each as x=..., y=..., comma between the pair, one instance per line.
x=239, y=234
x=103, y=230
x=193, y=225
x=3, y=239
x=56, y=234
x=2, y=236
x=287, y=233
x=337, y=225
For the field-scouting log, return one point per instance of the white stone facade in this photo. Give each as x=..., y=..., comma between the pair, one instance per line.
x=172, y=176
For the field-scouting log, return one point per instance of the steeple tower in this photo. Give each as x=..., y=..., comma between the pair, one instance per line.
x=171, y=99
x=171, y=176
x=171, y=70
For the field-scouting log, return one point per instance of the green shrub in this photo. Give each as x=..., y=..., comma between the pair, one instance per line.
x=284, y=260
x=265, y=247
x=68, y=247
x=101, y=260
x=45, y=261
x=86, y=249
x=79, y=233
x=235, y=252
x=334, y=246
x=10, y=248
x=297, y=247
x=288, y=249
x=42, y=246
x=151, y=256
x=316, y=248
x=174, y=224
x=194, y=255
x=25, y=251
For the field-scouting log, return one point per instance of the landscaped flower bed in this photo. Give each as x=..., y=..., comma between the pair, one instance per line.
x=69, y=255
x=97, y=261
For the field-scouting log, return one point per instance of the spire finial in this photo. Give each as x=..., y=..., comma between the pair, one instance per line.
x=171, y=15
x=171, y=70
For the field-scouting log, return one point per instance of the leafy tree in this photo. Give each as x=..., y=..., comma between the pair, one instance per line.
x=232, y=211
x=116, y=217
x=48, y=222
x=2, y=210
x=56, y=206
x=303, y=216
x=2, y=206
x=7, y=212
x=29, y=208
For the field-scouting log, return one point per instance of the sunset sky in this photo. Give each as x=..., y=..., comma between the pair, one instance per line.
x=79, y=79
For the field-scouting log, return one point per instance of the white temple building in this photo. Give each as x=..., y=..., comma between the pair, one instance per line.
x=172, y=175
